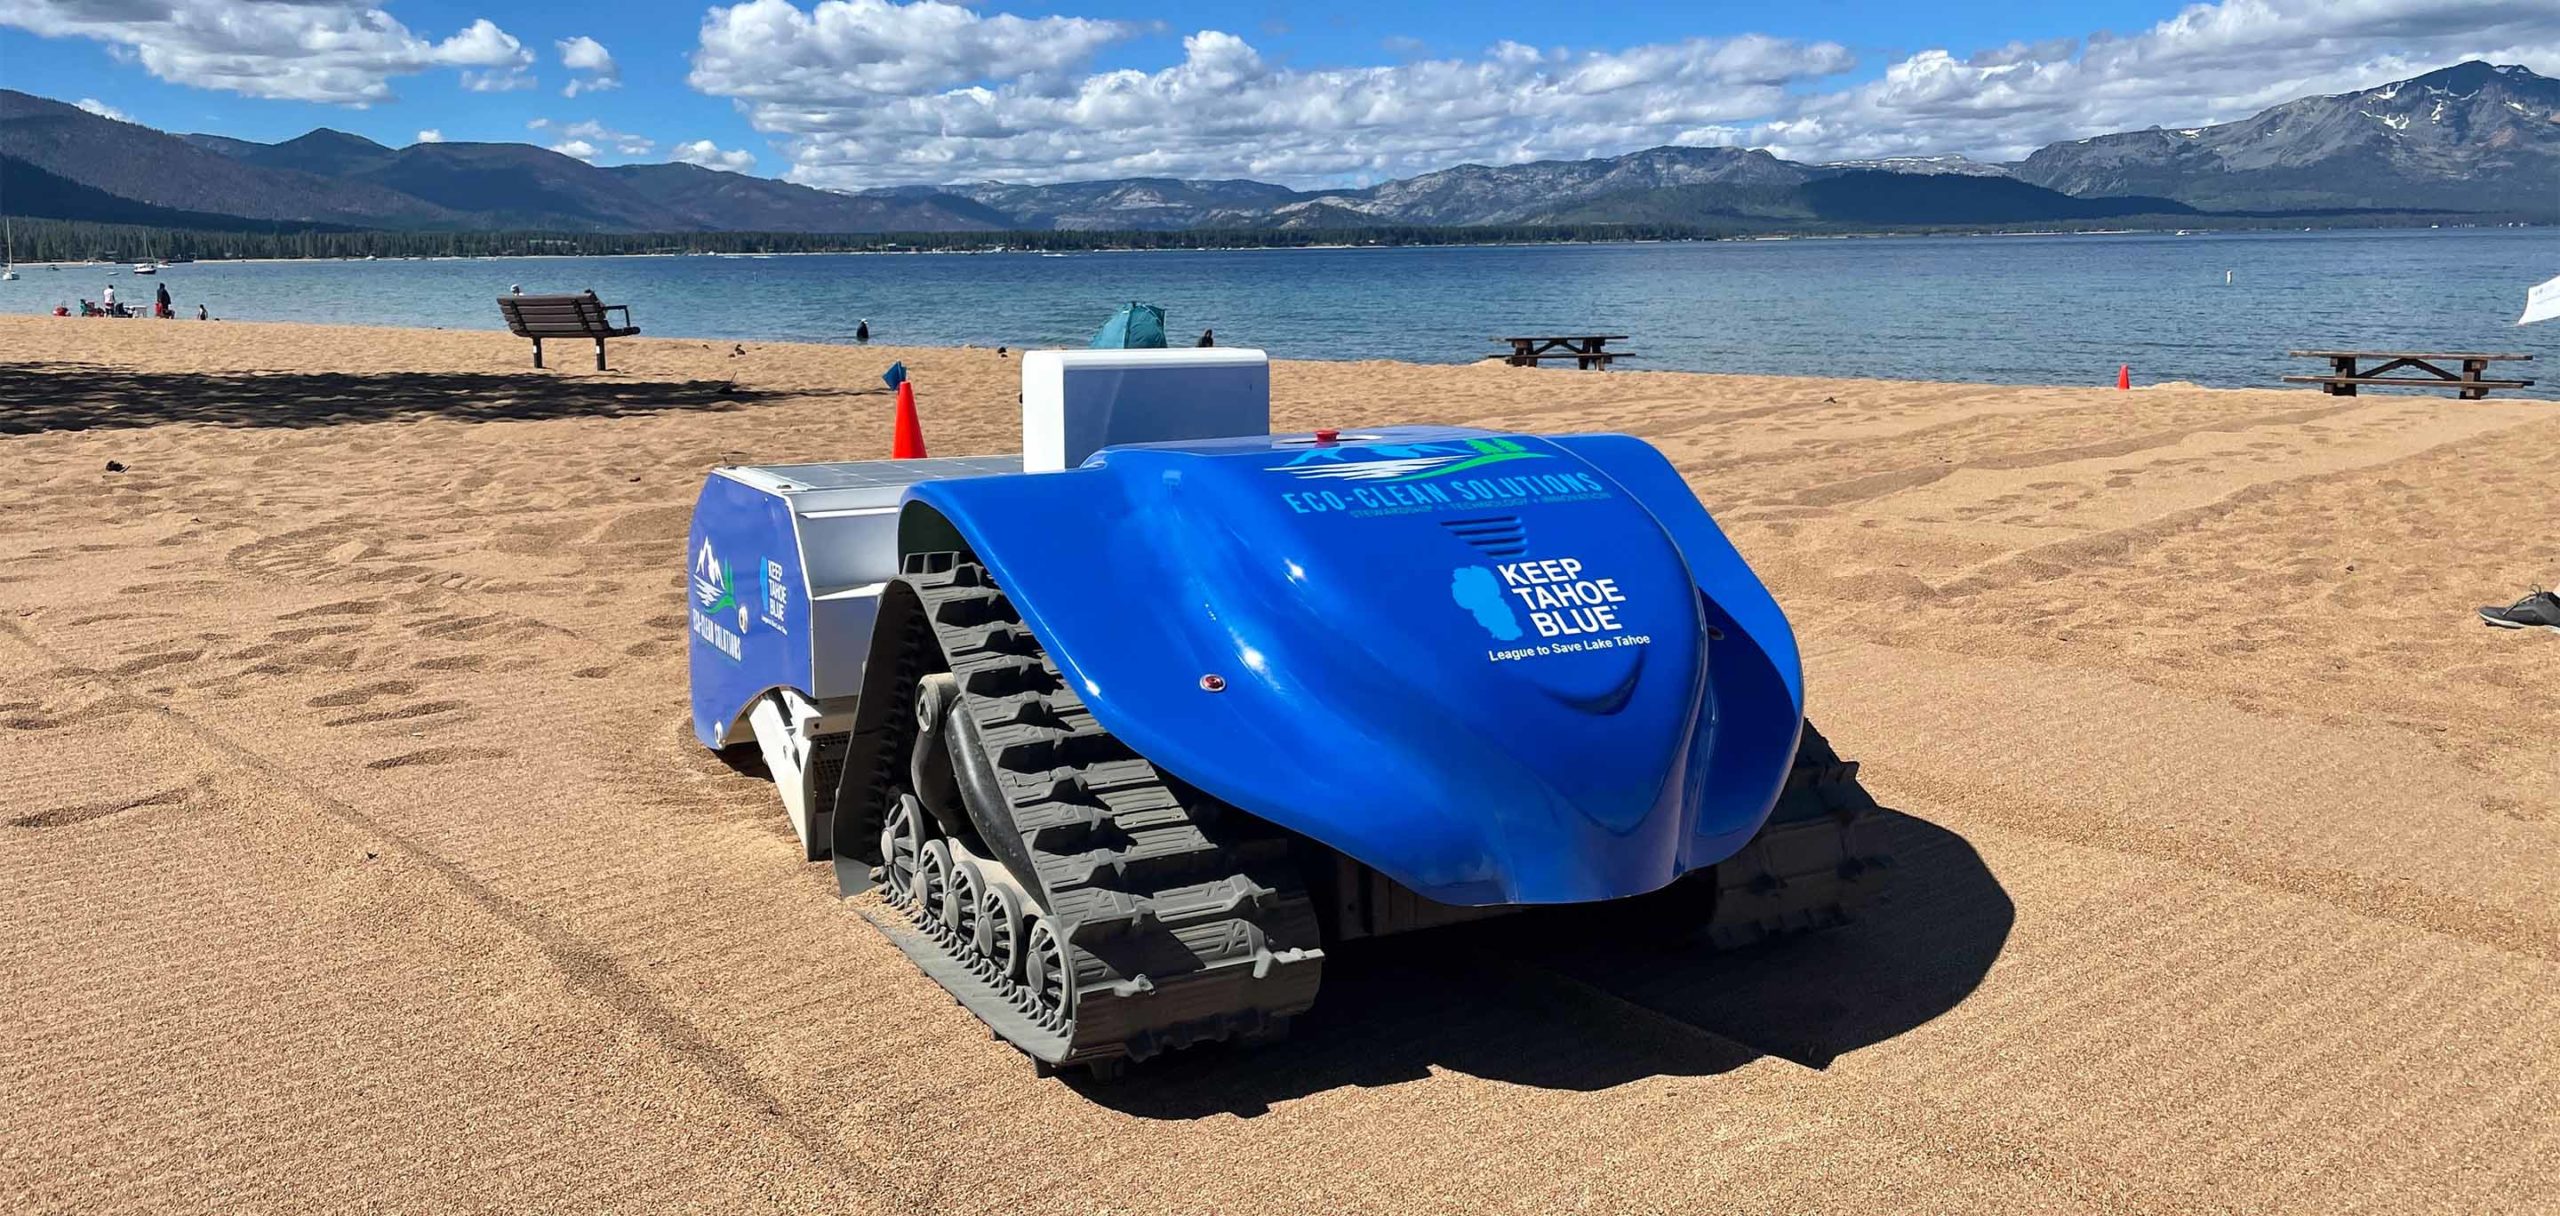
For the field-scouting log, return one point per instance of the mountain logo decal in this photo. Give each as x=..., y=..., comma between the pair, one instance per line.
x=1403, y=461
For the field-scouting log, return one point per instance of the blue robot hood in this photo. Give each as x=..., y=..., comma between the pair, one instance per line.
x=1498, y=668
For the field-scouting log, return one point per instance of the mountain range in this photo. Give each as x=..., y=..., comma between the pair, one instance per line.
x=336, y=179
x=2472, y=138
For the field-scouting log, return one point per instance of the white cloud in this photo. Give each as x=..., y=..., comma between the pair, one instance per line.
x=101, y=109
x=431, y=136
x=588, y=139
x=849, y=50
x=882, y=103
x=874, y=92
x=341, y=51
x=503, y=59
x=709, y=155
x=497, y=81
x=586, y=55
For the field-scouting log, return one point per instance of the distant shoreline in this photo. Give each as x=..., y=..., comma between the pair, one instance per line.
x=994, y=251
x=123, y=245
x=1491, y=361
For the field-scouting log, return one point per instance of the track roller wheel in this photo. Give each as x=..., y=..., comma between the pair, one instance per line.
x=960, y=903
x=901, y=842
x=933, y=881
x=1045, y=974
x=1000, y=927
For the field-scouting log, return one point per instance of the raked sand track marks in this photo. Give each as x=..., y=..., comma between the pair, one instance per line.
x=2227, y=834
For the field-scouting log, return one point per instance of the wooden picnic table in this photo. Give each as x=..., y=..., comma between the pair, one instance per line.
x=1586, y=350
x=2344, y=377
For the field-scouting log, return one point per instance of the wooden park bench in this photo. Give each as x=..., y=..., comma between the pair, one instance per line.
x=2344, y=378
x=1586, y=350
x=577, y=316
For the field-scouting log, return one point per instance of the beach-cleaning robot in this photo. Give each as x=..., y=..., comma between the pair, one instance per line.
x=1129, y=728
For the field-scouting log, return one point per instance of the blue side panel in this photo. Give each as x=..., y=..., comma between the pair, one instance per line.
x=747, y=604
x=1755, y=694
x=1477, y=662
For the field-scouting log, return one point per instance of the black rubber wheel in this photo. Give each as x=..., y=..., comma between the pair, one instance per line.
x=933, y=881
x=1000, y=931
x=901, y=840
x=960, y=903
x=1045, y=974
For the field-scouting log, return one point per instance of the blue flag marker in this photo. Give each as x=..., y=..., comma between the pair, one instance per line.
x=895, y=376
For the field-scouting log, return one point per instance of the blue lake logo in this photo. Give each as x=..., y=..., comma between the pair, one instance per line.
x=1477, y=590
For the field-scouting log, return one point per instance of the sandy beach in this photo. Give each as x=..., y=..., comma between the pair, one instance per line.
x=355, y=853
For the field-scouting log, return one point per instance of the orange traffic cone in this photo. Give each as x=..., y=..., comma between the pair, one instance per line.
x=909, y=443
x=2124, y=376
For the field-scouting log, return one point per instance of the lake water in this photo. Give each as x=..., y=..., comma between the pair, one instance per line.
x=2021, y=309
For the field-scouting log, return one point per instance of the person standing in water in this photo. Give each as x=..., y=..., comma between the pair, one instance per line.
x=862, y=332
x=160, y=303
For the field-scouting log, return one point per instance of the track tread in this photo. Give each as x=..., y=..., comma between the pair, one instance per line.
x=1184, y=923
x=1815, y=862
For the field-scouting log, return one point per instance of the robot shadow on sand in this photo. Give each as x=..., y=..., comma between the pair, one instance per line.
x=1532, y=1000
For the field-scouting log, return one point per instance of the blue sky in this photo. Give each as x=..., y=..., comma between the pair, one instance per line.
x=853, y=93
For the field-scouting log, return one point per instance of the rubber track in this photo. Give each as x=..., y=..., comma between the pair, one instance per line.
x=1815, y=863
x=1185, y=919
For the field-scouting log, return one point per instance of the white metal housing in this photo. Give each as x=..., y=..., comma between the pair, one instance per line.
x=1077, y=402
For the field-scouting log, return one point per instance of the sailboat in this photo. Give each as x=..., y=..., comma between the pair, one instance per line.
x=8, y=251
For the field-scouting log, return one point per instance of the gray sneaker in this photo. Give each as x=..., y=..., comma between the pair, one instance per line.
x=2540, y=610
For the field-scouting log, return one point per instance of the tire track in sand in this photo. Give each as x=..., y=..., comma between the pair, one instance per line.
x=583, y=968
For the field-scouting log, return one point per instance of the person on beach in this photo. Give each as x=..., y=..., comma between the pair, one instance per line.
x=201, y=314
x=160, y=306
x=108, y=301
